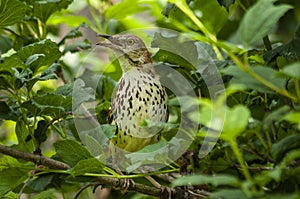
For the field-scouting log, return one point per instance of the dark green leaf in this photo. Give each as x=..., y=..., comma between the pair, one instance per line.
x=289, y=51
x=259, y=20
x=40, y=133
x=4, y=110
x=70, y=152
x=215, y=180
x=283, y=146
x=44, y=9
x=23, y=135
x=6, y=43
x=40, y=183
x=11, y=12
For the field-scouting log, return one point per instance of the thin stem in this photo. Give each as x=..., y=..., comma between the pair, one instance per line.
x=268, y=84
x=240, y=159
x=185, y=8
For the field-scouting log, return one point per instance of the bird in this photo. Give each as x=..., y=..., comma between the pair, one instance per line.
x=139, y=95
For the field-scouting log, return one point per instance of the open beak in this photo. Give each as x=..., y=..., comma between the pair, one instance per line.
x=111, y=42
x=101, y=43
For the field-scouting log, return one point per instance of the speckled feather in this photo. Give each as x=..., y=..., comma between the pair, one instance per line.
x=139, y=96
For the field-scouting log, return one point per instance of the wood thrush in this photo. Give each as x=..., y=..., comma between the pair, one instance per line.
x=139, y=95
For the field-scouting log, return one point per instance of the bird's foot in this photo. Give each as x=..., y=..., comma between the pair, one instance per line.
x=166, y=192
x=125, y=184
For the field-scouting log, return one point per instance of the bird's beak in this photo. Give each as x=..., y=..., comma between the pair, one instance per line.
x=104, y=36
x=101, y=43
x=112, y=42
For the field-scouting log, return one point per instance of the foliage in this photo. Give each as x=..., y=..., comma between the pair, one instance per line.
x=242, y=48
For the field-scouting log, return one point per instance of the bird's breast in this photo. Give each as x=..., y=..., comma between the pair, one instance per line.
x=139, y=98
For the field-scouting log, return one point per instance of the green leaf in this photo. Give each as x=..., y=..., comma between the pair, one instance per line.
x=236, y=121
x=292, y=70
x=33, y=58
x=44, y=9
x=241, y=77
x=81, y=93
x=90, y=165
x=65, y=90
x=97, y=139
x=283, y=146
x=49, y=73
x=42, y=53
x=131, y=6
x=214, y=180
x=259, y=20
x=213, y=22
x=11, y=178
x=25, y=63
x=229, y=194
x=293, y=117
x=11, y=12
x=49, y=193
x=49, y=104
x=151, y=154
x=41, y=183
x=70, y=152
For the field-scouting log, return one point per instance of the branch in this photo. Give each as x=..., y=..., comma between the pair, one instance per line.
x=53, y=164
x=137, y=187
x=163, y=192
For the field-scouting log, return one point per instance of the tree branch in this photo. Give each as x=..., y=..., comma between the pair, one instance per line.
x=163, y=192
x=53, y=164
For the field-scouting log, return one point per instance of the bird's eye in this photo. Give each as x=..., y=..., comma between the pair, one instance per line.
x=130, y=42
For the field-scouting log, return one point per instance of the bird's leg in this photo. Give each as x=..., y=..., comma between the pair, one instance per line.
x=127, y=181
x=157, y=185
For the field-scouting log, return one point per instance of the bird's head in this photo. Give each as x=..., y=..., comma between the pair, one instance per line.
x=129, y=48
